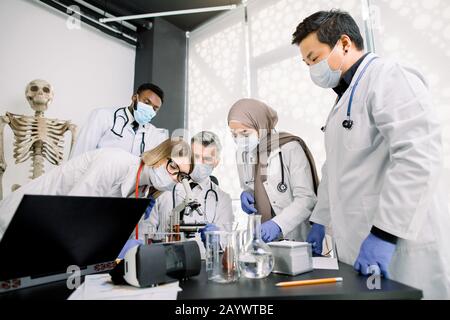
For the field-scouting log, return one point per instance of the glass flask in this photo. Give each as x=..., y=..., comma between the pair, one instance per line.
x=221, y=256
x=256, y=261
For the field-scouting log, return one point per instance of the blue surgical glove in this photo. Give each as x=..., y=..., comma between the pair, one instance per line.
x=248, y=202
x=129, y=245
x=315, y=238
x=208, y=227
x=270, y=231
x=149, y=208
x=374, y=252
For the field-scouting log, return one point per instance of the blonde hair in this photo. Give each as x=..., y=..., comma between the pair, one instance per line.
x=168, y=149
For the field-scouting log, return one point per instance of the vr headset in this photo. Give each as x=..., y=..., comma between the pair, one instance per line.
x=158, y=263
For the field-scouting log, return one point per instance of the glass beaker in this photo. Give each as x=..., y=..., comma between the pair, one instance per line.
x=241, y=241
x=256, y=260
x=221, y=256
x=149, y=232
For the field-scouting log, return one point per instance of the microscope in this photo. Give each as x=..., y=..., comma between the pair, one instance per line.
x=173, y=257
x=175, y=226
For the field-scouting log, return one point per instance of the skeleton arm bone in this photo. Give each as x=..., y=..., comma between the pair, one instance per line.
x=73, y=130
x=4, y=120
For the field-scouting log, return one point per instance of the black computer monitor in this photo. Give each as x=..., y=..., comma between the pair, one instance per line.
x=50, y=233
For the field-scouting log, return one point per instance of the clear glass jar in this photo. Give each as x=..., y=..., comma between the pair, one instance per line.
x=221, y=256
x=256, y=261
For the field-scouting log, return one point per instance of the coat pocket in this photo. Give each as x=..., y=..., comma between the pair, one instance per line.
x=361, y=134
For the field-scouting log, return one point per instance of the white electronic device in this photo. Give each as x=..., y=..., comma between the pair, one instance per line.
x=291, y=257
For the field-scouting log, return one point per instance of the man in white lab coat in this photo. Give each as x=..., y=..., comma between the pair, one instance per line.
x=127, y=128
x=215, y=203
x=382, y=189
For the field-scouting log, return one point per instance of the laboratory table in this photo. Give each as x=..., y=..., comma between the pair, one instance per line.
x=353, y=286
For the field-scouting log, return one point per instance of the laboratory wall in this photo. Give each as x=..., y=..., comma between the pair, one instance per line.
x=161, y=59
x=230, y=58
x=88, y=69
x=169, y=72
x=217, y=78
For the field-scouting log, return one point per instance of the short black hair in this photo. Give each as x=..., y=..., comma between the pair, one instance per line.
x=330, y=26
x=152, y=87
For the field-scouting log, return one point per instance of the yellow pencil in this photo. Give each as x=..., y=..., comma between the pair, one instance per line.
x=308, y=282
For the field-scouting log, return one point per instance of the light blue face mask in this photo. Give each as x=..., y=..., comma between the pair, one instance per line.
x=322, y=74
x=201, y=172
x=144, y=113
x=248, y=143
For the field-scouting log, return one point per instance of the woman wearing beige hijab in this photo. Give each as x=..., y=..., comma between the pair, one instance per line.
x=276, y=171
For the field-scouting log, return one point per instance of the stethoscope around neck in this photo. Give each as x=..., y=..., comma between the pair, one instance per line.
x=281, y=186
x=125, y=119
x=348, y=122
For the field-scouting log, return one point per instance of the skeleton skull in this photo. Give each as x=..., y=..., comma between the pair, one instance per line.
x=39, y=94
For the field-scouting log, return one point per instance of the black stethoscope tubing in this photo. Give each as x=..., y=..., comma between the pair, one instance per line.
x=126, y=120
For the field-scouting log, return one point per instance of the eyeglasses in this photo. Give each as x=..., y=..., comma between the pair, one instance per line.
x=173, y=169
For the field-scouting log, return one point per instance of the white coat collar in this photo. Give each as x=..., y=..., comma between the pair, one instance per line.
x=129, y=115
x=129, y=183
x=366, y=60
x=347, y=92
x=252, y=158
x=246, y=157
x=205, y=184
x=274, y=153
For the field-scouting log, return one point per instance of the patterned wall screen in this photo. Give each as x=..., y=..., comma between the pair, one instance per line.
x=231, y=57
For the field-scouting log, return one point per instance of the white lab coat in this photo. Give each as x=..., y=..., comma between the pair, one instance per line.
x=112, y=128
x=101, y=173
x=219, y=213
x=293, y=207
x=386, y=172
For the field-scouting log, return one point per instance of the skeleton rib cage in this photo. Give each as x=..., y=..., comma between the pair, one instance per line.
x=45, y=134
x=35, y=137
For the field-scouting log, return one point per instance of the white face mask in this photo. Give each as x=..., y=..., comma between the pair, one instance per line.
x=201, y=172
x=322, y=74
x=248, y=143
x=161, y=179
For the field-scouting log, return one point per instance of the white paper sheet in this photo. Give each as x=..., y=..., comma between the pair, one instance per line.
x=100, y=287
x=325, y=263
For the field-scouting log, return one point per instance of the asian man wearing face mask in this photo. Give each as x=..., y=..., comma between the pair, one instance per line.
x=382, y=189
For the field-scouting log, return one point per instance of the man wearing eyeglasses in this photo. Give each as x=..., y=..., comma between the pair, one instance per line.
x=128, y=128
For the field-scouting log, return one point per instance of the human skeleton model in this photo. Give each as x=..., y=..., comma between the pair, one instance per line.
x=35, y=137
